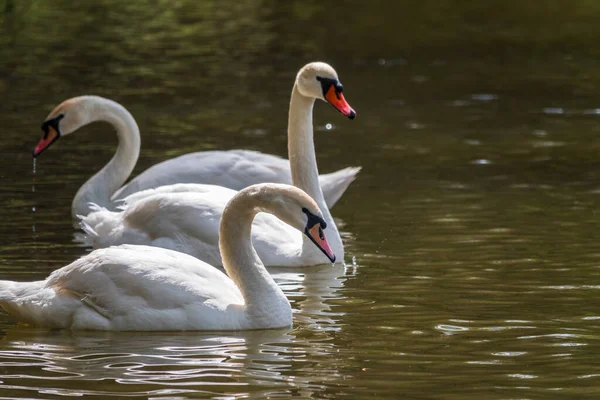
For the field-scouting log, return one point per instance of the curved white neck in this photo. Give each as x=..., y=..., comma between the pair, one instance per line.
x=303, y=164
x=100, y=187
x=264, y=299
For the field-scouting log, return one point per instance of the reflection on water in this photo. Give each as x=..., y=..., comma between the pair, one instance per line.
x=264, y=362
x=161, y=364
x=473, y=223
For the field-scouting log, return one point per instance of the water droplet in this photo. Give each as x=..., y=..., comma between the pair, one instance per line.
x=33, y=207
x=328, y=127
x=481, y=162
x=33, y=179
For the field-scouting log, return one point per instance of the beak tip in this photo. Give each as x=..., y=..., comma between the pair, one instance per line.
x=352, y=114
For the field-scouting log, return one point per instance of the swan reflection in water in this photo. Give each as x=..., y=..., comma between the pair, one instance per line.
x=300, y=360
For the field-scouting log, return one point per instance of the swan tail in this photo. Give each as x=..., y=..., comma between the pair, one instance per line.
x=335, y=184
x=34, y=303
x=101, y=226
x=105, y=228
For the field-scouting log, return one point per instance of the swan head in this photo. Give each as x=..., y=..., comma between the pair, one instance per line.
x=319, y=80
x=297, y=209
x=66, y=118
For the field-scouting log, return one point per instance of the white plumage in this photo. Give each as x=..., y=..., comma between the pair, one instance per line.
x=133, y=287
x=185, y=217
x=234, y=169
x=129, y=288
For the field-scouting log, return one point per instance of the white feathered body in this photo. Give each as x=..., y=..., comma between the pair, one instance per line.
x=186, y=218
x=233, y=169
x=135, y=288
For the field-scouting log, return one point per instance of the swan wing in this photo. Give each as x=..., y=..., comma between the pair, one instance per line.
x=186, y=218
x=144, y=288
x=191, y=213
x=205, y=189
x=234, y=169
x=188, y=221
x=178, y=217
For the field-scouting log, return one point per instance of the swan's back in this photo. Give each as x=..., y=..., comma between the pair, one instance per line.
x=233, y=169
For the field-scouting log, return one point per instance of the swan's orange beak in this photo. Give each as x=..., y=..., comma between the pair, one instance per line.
x=317, y=236
x=47, y=139
x=337, y=100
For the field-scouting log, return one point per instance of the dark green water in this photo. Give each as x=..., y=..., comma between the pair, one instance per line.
x=473, y=223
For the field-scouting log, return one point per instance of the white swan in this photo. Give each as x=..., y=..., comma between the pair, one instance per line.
x=185, y=217
x=235, y=169
x=148, y=288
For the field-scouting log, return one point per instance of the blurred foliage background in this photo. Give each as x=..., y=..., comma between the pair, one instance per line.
x=108, y=39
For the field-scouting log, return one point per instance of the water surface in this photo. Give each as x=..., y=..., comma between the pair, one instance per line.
x=471, y=232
